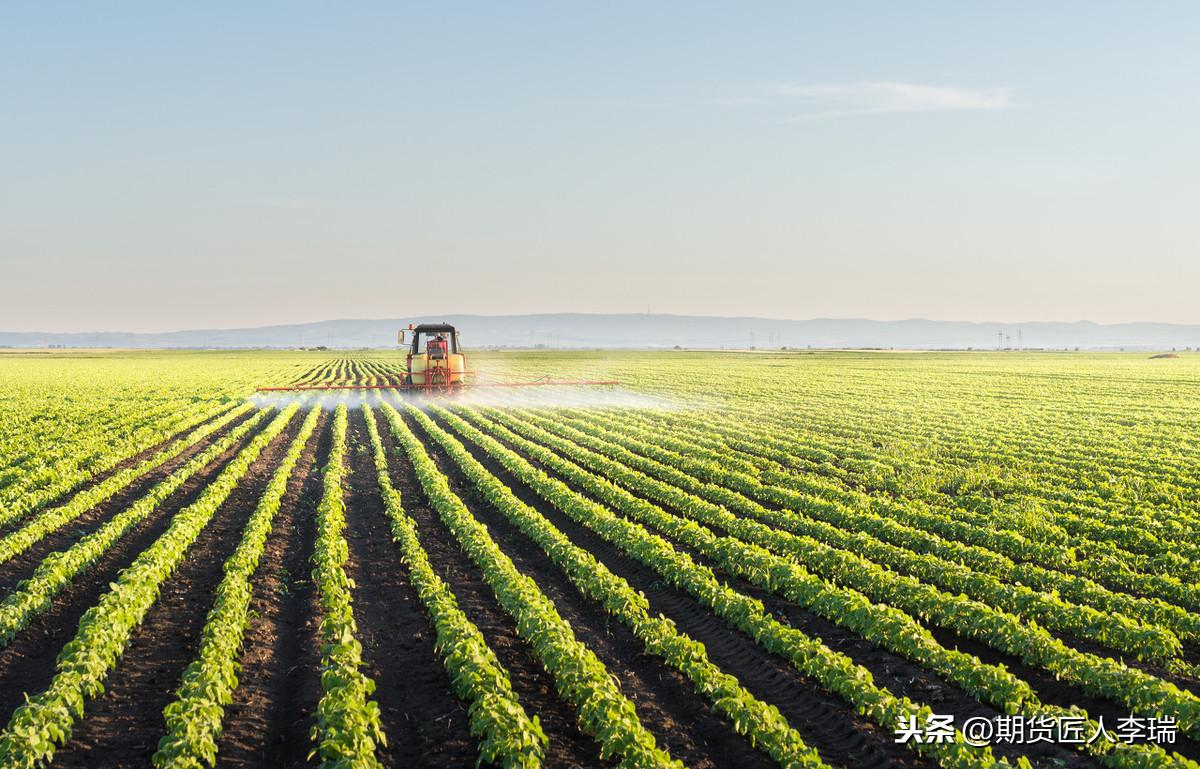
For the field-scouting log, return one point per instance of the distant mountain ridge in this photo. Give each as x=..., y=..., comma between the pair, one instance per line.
x=581, y=330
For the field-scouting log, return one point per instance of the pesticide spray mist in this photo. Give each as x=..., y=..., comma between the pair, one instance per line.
x=548, y=397
x=492, y=386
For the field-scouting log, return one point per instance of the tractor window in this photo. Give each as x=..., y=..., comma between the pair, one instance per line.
x=425, y=341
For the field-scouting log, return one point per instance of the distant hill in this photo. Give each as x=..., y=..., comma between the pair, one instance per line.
x=577, y=330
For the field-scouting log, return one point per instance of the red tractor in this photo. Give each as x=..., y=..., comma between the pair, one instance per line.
x=435, y=360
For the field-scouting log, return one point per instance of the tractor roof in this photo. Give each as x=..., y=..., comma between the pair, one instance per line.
x=435, y=327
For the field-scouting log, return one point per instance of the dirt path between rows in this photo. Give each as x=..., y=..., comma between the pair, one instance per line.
x=825, y=721
x=266, y=725
x=20, y=567
x=425, y=722
x=122, y=727
x=569, y=747
x=101, y=475
x=28, y=662
x=904, y=677
x=681, y=720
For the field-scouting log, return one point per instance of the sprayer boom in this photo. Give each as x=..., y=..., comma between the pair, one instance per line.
x=435, y=364
x=438, y=388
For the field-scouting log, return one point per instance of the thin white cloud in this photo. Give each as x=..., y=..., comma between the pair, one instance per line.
x=821, y=101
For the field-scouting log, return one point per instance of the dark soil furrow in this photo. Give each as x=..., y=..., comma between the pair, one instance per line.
x=23, y=565
x=681, y=720
x=1079, y=644
x=1049, y=689
x=27, y=664
x=1151, y=668
x=267, y=723
x=899, y=675
x=122, y=727
x=902, y=676
x=425, y=722
x=1053, y=691
x=825, y=721
x=101, y=475
x=569, y=746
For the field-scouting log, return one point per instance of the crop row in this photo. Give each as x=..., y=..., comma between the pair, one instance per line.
x=580, y=678
x=1095, y=528
x=69, y=419
x=733, y=490
x=1016, y=546
x=195, y=718
x=34, y=595
x=765, y=727
x=833, y=670
x=80, y=458
x=510, y=738
x=348, y=729
x=37, y=727
x=883, y=625
x=682, y=449
x=1079, y=506
x=17, y=542
x=1096, y=675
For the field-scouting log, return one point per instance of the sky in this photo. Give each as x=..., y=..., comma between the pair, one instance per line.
x=171, y=165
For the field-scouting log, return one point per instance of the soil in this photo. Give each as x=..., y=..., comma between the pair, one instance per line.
x=681, y=720
x=425, y=722
x=568, y=746
x=122, y=727
x=24, y=564
x=826, y=722
x=28, y=662
x=101, y=475
x=269, y=722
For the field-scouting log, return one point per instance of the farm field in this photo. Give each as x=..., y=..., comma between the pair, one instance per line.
x=730, y=560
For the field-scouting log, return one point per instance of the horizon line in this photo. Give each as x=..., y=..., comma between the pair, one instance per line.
x=426, y=316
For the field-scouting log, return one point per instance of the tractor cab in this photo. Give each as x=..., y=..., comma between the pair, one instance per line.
x=435, y=360
x=436, y=366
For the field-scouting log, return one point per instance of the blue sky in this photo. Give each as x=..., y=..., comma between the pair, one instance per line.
x=220, y=165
